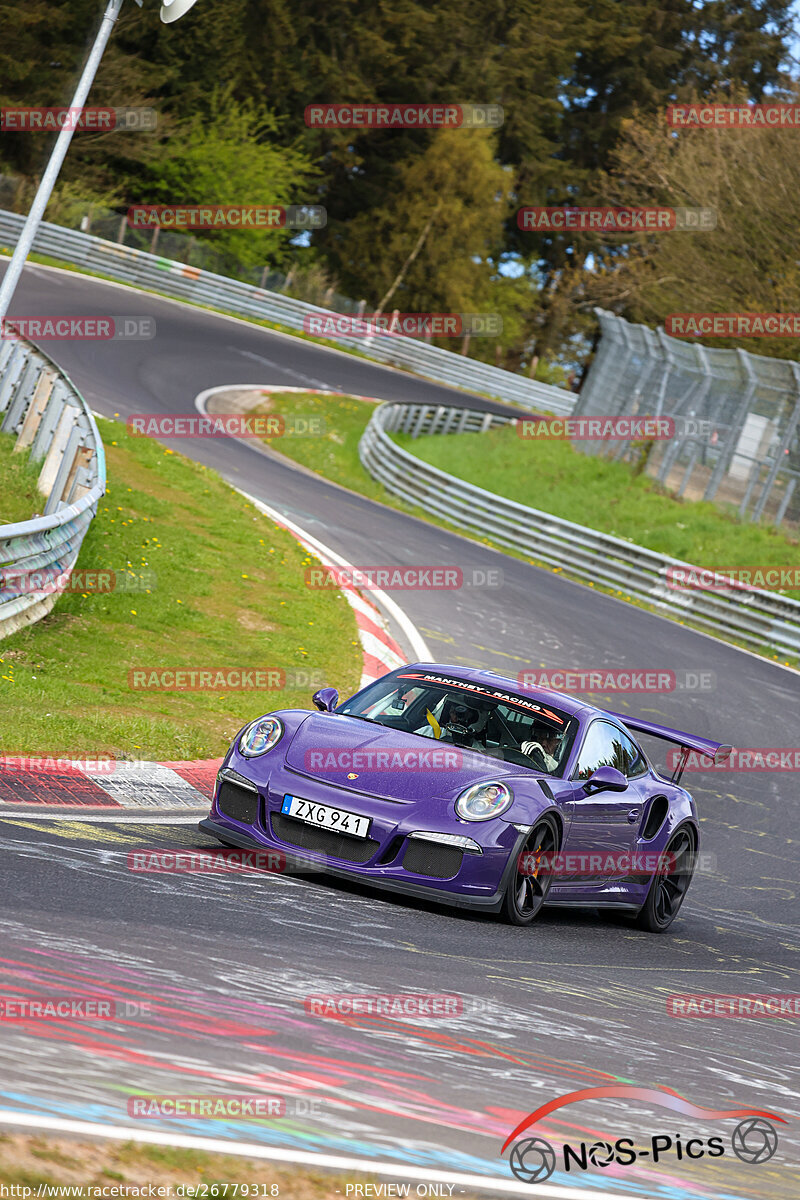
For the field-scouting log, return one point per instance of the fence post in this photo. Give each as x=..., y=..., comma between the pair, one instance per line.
x=64, y=469
x=695, y=394
x=787, y=496
x=728, y=450
x=14, y=366
x=780, y=450
x=22, y=394
x=35, y=411
x=44, y=434
x=78, y=469
x=52, y=460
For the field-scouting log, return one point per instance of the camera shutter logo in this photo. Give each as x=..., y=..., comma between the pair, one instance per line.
x=754, y=1140
x=533, y=1160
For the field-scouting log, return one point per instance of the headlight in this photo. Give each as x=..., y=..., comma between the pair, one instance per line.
x=260, y=736
x=483, y=801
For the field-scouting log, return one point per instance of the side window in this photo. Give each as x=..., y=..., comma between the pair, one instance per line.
x=635, y=762
x=602, y=747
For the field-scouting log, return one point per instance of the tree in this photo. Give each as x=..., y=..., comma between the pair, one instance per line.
x=231, y=155
x=568, y=74
x=456, y=195
x=42, y=51
x=748, y=263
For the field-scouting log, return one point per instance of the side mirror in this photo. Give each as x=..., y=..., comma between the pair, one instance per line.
x=326, y=699
x=605, y=779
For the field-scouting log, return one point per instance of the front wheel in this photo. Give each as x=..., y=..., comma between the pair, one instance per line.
x=668, y=890
x=532, y=874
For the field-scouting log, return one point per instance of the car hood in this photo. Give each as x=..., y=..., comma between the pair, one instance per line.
x=386, y=762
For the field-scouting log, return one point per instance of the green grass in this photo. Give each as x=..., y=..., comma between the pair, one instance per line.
x=334, y=454
x=229, y=592
x=608, y=496
x=19, y=498
x=86, y=1167
x=547, y=475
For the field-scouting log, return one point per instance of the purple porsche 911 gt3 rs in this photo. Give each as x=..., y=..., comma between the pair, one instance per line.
x=459, y=786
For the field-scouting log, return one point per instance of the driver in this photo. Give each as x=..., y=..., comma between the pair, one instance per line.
x=459, y=723
x=543, y=748
x=463, y=724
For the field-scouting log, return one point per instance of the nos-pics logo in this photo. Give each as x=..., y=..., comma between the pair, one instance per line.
x=533, y=1160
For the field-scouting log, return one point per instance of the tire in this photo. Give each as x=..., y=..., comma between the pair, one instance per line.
x=527, y=891
x=667, y=891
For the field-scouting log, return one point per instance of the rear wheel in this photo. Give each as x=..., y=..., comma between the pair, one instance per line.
x=668, y=890
x=531, y=877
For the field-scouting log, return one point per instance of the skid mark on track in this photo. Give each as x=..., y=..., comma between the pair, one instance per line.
x=229, y=1016
x=232, y=1018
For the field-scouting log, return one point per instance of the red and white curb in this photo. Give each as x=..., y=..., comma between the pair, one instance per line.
x=80, y=784
x=380, y=652
x=174, y=785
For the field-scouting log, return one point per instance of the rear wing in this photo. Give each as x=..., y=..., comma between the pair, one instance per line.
x=716, y=751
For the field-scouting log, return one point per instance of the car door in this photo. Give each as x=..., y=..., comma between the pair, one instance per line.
x=640, y=781
x=603, y=823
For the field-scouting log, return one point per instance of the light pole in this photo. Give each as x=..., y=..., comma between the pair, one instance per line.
x=171, y=10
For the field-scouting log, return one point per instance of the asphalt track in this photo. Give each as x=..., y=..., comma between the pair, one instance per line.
x=579, y=1000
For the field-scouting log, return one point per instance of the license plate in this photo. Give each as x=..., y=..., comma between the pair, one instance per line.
x=325, y=817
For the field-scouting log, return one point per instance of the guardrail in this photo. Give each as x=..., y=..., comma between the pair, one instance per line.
x=758, y=618
x=176, y=279
x=53, y=423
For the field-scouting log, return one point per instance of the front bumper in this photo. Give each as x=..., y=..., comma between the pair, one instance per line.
x=488, y=904
x=390, y=858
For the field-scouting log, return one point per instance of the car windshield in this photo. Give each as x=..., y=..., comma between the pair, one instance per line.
x=476, y=716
